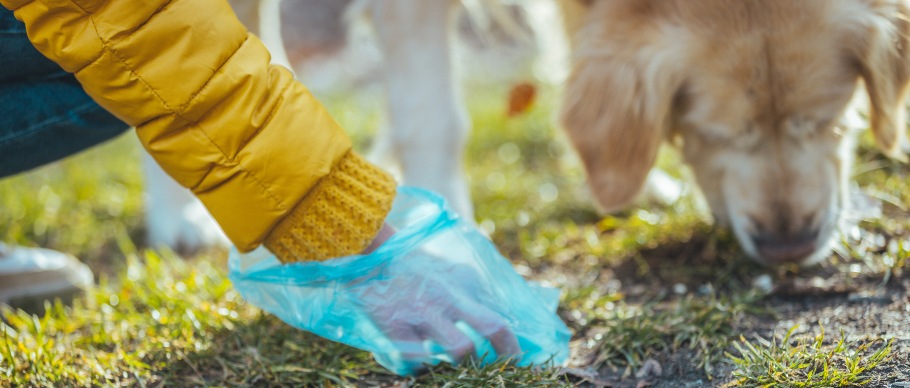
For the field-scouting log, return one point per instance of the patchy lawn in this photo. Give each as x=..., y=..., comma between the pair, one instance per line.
x=655, y=295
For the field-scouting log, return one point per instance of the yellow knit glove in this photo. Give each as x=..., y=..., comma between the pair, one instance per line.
x=340, y=216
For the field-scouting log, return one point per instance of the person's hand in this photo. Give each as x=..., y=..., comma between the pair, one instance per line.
x=434, y=309
x=384, y=234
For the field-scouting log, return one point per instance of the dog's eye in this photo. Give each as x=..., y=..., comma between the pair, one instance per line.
x=800, y=126
x=747, y=137
x=743, y=137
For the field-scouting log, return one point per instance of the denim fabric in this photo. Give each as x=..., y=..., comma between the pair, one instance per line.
x=44, y=113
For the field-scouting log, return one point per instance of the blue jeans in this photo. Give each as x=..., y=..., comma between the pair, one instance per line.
x=44, y=113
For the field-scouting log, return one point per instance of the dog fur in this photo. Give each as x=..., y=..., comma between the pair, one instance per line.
x=752, y=92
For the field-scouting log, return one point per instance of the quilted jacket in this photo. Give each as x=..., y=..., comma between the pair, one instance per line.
x=252, y=143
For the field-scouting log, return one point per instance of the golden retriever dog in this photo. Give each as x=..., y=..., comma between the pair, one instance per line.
x=752, y=92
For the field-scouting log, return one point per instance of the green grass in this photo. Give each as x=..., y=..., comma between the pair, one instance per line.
x=169, y=322
x=81, y=206
x=805, y=363
x=159, y=311
x=627, y=335
x=645, y=284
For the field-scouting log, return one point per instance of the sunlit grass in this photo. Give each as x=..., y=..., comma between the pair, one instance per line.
x=81, y=206
x=807, y=363
x=168, y=322
x=159, y=311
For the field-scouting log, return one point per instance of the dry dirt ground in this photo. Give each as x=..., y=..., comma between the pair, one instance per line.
x=861, y=306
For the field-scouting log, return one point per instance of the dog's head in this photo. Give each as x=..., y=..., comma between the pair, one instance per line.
x=754, y=91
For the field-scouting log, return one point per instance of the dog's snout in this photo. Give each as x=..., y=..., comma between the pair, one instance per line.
x=776, y=248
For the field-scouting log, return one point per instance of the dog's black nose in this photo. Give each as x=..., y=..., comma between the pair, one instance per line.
x=793, y=248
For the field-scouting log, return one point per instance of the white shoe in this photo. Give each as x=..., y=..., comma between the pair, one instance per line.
x=29, y=276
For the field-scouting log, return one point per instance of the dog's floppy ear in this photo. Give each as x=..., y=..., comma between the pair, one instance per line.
x=882, y=52
x=617, y=110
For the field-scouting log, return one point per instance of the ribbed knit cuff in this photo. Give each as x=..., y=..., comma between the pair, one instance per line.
x=340, y=216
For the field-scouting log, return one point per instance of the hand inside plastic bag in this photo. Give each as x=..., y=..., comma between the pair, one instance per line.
x=436, y=290
x=415, y=310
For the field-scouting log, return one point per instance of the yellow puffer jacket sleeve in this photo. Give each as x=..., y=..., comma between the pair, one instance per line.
x=253, y=144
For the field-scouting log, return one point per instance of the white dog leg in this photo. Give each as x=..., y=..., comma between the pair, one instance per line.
x=175, y=218
x=263, y=19
x=428, y=122
x=270, y=31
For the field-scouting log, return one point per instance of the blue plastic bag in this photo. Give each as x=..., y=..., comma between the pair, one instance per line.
x=436, y=291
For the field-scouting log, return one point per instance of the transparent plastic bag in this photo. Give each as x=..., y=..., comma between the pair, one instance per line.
x=437, y=279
